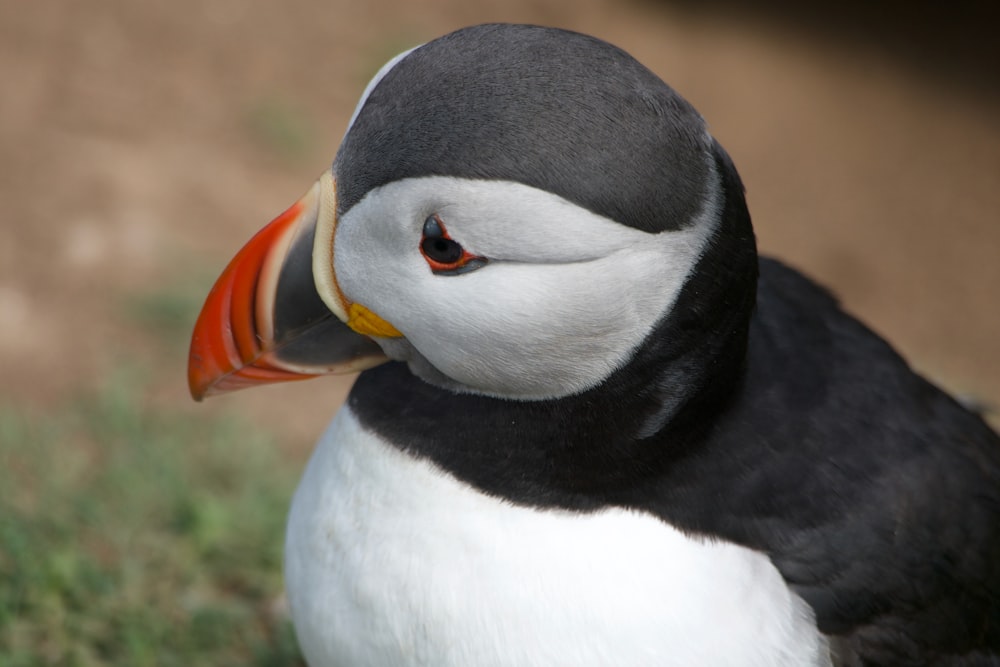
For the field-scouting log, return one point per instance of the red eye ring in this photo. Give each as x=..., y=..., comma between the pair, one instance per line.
x=443, y=253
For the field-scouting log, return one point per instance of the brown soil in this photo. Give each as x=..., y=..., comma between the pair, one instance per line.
x=143, y=143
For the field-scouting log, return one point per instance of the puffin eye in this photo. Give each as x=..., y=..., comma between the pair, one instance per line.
x=445, y=255
x=441, y=250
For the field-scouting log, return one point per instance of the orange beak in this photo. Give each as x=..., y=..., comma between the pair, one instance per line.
x=264, y=320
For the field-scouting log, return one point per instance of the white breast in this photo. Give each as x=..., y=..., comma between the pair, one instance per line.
x=389, y=561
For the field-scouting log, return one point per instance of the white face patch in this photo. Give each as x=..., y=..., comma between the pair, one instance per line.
x=390, y=561
x=566, y=297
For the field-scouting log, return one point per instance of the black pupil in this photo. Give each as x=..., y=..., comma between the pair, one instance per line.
x=442, y=250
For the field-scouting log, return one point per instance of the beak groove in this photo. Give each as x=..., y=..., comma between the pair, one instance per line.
x=226, y=347
x=234, y=344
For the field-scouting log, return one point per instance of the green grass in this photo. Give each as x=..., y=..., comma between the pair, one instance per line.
x=134, y=536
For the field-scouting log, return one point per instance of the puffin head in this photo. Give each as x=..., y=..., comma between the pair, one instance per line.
x=515, y=211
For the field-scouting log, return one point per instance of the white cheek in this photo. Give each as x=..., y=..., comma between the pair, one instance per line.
x=377, y=259
x=532, y=331
x=566, y=299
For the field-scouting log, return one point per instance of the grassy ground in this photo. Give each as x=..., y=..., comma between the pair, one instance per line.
x=131, y=534
x=129, y=537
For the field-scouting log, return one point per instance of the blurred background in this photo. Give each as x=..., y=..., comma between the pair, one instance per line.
x=144, y=143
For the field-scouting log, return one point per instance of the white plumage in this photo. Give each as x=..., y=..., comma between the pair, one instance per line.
x=391, y=562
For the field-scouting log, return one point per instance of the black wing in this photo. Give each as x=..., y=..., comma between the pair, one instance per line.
x=876, y=494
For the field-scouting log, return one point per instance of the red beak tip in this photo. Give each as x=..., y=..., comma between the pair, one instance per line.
x=200, y=381
x=198, y=390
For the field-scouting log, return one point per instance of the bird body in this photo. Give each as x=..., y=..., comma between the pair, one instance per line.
x=385, y=550
x=607, y=432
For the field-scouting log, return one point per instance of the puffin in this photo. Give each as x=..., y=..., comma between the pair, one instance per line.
x=591, y=426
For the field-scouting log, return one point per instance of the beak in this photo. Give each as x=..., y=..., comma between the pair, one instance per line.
x=264, y=320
